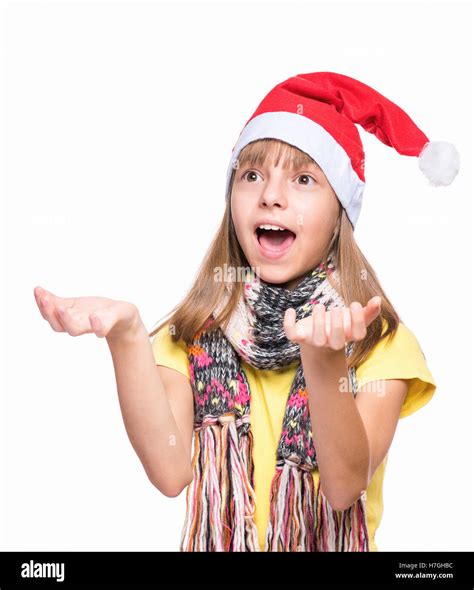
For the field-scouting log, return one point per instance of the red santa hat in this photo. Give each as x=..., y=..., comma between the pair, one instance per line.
x=317, y=113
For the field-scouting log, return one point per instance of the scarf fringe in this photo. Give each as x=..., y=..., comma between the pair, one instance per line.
x=221, y=499
x=303, y=520
x=344, y=530
x=291, y=521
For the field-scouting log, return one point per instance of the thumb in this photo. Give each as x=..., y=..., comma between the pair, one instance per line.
x=372, y=309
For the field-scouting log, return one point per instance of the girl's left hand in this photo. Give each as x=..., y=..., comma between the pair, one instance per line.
x=331, y=330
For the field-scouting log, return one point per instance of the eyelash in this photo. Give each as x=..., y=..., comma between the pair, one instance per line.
x=308, y=175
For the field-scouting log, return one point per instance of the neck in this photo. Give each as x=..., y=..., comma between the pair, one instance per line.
x=291, y=285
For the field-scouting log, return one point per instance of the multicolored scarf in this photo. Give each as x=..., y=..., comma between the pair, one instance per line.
x=221, y=498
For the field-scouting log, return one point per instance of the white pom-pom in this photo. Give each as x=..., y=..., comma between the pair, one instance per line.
x=439, y=161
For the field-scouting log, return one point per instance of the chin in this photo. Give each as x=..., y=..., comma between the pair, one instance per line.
x=275, y=276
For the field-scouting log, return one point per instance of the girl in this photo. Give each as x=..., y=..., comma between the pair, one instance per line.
x=286, y=364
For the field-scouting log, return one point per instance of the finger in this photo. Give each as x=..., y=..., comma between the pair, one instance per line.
x=72, y=325
x=289, y=324
x=297, y=330
x=372, y=309
x=41, y=293
x=97, y=325
x=359, y=329
x=49, y=314
x=346, y=314
x=47, y=303
x=77, y=324
x=319, y=325
x=37, y=291
x=336, y=338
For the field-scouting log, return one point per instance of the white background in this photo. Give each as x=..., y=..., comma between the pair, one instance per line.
x=118, y=123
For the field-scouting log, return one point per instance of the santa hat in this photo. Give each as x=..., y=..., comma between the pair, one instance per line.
x=317, y=113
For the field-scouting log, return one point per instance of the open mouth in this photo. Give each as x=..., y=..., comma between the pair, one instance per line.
x=274, y=242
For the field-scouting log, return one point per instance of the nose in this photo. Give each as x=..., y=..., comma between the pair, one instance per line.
x=273, y=193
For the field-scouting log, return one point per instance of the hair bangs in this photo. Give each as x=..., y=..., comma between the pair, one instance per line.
x=258, y=153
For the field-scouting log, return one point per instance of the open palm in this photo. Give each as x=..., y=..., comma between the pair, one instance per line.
x=334, y=328
x=85, y=315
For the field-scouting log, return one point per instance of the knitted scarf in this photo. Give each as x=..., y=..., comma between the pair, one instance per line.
x=221, y=498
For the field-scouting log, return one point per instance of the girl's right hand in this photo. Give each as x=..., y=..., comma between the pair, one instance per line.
x=86, y=315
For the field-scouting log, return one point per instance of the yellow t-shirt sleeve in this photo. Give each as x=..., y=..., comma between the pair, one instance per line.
x=402, y=358
x=168, y=353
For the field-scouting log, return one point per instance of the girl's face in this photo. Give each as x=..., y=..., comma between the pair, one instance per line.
x=300, y=200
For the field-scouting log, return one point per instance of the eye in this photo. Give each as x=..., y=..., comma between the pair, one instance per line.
x=245, y=175
x=308, y=178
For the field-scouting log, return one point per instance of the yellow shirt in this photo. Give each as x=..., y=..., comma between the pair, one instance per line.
x=402, y=358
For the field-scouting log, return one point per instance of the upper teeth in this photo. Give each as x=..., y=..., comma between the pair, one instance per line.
x=268, y=226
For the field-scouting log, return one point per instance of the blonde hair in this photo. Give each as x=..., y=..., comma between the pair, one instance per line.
x=358, y=281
